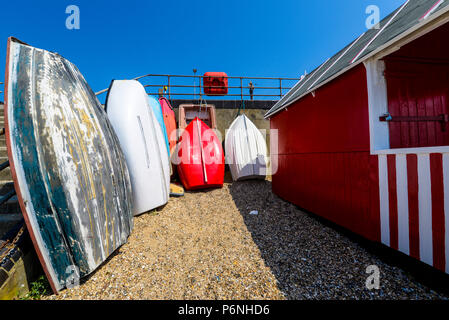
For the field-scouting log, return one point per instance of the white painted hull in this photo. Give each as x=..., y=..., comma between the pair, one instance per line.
x=246, y=150
x=142, y=142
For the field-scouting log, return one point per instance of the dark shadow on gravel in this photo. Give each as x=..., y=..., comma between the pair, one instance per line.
x=312, y=258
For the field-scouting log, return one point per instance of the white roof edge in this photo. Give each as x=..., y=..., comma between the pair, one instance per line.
x=336, y=60
x=306, y=80
x=283, y=98
x=379, y=32
x=300, y=84
x=391, y=43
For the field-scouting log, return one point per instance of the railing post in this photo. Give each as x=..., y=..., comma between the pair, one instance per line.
x=241, y=88
x=280, y=87
x=168, y=80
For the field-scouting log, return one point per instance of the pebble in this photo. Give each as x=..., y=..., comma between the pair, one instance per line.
x=205, y=246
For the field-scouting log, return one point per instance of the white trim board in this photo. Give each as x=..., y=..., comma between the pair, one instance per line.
x=423, y=150
x=377, y=105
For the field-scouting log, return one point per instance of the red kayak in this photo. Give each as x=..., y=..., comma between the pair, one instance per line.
x=201, y=157
x=169, y=121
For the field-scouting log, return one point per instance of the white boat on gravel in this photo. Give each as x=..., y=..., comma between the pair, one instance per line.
x=142, y=142
x=246, y=150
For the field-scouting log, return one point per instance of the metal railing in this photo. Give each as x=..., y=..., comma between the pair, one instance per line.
x=243, y=88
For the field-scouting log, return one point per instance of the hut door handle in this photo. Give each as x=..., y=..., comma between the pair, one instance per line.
x=443, y=119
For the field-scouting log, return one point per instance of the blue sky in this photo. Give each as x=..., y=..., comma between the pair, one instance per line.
x=125, y=39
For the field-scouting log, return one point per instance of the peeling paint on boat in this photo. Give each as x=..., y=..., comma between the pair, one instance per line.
x=67, y=163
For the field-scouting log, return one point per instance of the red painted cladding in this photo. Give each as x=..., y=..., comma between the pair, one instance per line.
x=413, y=204
x=324, y=164
x=393, y=201
x=436, y=175
x=335, y=120
x=418, y=85
x=417, y=89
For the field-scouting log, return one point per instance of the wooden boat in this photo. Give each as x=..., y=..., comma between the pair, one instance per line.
x=201, y=159
x=170, y=122
x=157, y=110
x=143, y=144
x=69, y=171
x=246, y=150
x=188, y=112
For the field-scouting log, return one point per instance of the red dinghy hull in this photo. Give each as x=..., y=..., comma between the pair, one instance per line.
x=169, y=121
x=201, y=159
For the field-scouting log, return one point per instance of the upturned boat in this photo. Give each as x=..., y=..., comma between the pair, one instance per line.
x=143, y=143
x=169, y=121
x=204, y=112
x=68, y=168
x=200, y=157
x=246, y=150
x=157, y=110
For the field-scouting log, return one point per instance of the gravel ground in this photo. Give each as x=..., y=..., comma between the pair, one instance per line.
x=206, y=245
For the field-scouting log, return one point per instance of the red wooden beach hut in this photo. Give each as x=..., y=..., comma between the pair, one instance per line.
x=363, y=140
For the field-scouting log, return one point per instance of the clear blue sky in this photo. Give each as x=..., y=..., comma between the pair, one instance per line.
x=124, y=39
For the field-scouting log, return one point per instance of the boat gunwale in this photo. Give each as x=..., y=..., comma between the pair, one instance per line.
x=14, y=175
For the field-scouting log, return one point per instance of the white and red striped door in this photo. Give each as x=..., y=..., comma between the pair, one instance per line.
x=414, y=205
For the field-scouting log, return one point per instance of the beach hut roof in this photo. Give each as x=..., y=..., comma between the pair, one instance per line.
x=411, y=16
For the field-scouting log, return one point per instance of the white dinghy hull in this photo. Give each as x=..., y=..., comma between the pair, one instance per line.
x=143, y=144
x=246, y=150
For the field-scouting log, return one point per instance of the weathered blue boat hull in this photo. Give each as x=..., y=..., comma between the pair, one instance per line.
x=157, y=109
x=67, y=165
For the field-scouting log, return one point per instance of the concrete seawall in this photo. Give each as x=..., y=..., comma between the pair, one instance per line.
x=227, y=110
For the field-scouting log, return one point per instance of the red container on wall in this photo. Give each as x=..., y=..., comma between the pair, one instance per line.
x=215, y=83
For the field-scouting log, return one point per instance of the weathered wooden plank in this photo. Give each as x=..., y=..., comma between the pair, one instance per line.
x=66, y=162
